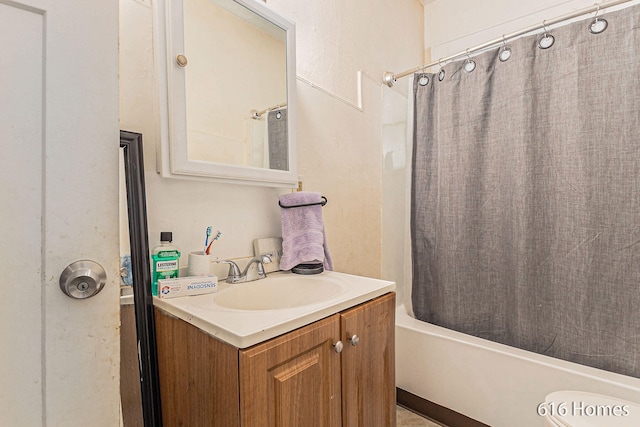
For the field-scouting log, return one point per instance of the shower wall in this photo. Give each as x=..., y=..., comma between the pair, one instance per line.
x=396, y=174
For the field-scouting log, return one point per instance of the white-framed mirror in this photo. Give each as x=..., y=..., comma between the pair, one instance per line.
x=226, y=71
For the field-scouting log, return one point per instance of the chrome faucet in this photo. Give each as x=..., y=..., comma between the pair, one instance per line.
x=248, y=275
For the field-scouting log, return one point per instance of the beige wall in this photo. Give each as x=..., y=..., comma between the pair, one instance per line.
x=222, y=131
x=451, y=26
x=342, y=50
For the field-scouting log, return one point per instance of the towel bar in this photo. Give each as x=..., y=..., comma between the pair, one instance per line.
x=323, y=202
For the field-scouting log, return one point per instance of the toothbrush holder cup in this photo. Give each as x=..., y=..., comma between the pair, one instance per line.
x=199, y=264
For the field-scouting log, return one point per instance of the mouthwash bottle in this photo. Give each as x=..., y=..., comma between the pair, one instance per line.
x=165, y=259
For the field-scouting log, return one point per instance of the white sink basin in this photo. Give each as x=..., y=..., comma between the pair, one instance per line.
x=280, y=291
x=244, y=314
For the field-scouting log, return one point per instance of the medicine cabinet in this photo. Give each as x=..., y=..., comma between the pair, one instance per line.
x=226, y=71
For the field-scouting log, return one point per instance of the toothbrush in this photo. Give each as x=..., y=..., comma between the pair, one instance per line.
x=208, y=250
x=206, y=240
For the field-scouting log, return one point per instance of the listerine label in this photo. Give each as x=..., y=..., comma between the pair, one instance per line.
x=166, y=265
x=168, y=254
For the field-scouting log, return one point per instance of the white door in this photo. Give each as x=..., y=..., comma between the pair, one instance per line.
x=59, y=357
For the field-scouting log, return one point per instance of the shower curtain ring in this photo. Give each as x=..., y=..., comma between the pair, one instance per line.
x=547, y=40
x=469, y=64
x=505, y=51
x=441, y=73
x=423, y=79
x=598, y=25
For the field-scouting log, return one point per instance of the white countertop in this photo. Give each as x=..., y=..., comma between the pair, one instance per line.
x=244, y=328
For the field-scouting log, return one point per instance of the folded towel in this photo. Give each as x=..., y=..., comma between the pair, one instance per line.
x=303, y=237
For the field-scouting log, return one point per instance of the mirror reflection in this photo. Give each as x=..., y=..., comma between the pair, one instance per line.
x=235, y=86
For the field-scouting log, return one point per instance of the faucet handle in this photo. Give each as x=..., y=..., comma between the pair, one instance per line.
x=234, y=271
x=266, y=259
x=259, y=260
x=262, y=259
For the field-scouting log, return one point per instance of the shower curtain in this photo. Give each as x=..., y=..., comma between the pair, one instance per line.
x=278, y=139
x=525, y=214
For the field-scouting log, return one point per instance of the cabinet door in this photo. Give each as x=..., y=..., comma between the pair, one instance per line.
x=293, y=380
x=368, y=368
x=198, y=376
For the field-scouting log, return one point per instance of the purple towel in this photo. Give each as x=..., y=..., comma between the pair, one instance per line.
x=303, y=236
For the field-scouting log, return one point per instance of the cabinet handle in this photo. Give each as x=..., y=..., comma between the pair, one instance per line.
x=338, y=347
x=354, y=340
x=181, y=60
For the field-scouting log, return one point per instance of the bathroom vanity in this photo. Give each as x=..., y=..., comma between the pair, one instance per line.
x=337, y=368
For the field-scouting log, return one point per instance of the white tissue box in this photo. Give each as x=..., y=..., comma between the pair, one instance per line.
x=182, y=286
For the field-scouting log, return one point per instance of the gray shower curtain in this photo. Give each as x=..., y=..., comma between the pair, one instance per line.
x=278, y=139
x=525, y=196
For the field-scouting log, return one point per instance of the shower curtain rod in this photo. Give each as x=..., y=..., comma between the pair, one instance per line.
x=257, y=114
x=390, y=78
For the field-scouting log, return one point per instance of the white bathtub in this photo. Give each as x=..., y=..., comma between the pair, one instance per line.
x=495, y=384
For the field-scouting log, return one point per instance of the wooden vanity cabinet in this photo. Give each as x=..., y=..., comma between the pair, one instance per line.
x=198, y=376
x=295, y=380
x=368, y=369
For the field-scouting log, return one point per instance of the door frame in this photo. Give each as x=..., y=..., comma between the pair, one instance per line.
x=131, y=142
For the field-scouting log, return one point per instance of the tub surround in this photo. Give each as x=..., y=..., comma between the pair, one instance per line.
x=489, y=382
